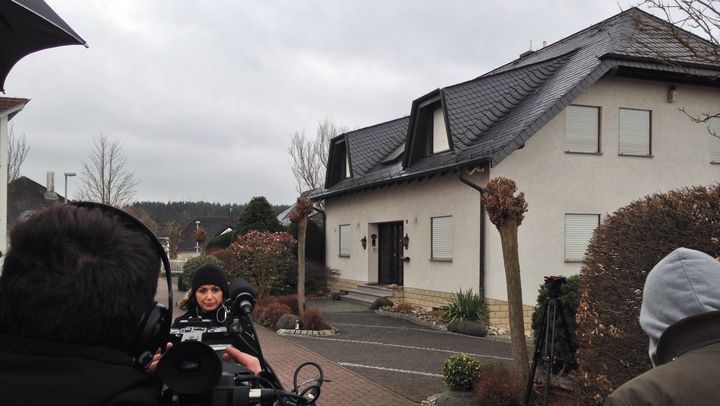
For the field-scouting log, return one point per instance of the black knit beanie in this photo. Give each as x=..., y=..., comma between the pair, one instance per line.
x=210, y=275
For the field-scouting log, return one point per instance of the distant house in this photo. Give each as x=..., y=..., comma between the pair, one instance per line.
x=584, y=126
x=214, y=226
x=25, y=197
x=9, y=107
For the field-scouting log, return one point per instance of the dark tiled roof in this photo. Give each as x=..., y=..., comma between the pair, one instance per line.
x=25, y=196
x=213, y=226
x=491, y=116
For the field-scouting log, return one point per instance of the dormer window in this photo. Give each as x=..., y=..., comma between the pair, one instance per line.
x=429, y=130
x=338, y=163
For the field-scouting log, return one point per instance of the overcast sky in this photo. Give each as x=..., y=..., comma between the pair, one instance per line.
x=205, y=95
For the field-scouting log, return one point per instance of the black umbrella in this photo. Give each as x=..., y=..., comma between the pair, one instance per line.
x=27, y=26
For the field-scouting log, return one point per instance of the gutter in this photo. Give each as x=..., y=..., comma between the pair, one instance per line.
x=481, y=282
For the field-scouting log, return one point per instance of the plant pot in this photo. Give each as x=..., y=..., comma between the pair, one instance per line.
x=455, y=398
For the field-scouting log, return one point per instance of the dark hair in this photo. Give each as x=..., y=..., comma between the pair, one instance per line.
x=77, y=275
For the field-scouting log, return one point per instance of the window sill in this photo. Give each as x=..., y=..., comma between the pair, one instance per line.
x=344, y=256
x=636, y=156
x=714, y=162
x=574, y=261
x=583, y=153
x=440, y=260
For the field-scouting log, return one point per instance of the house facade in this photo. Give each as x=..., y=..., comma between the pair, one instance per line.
x=583, y=126
x=9, y=107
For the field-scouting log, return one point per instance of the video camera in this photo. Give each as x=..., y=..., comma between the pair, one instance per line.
x=195, y=374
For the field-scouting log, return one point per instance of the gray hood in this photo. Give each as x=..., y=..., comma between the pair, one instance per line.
x=684, y=283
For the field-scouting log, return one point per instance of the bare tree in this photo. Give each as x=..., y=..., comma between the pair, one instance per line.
x=303, y=209
x=17, y=152
x=507, y=212
x=694, y=34
x=309, y=156
x=173, y=231
x=105, y=178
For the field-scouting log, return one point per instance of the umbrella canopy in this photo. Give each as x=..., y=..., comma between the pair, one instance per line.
x=27, y=26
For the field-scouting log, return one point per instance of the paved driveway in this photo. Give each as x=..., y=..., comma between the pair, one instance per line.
x=395, y=353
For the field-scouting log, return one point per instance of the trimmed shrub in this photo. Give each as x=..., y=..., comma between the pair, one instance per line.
x=460, y=371
x=467, y=306
x=272, y=313
x=315, y=278
x=564, y=356
x=193, y=264
x=314, y=240
x=612, y=348
x=498, y=385
x=291, y=301
x=404, y=308
x=312, y=319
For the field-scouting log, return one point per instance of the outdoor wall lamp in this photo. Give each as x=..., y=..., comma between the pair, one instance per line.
x=373, y=237
x=406, y=241
x=363, y=241
x=672, y=95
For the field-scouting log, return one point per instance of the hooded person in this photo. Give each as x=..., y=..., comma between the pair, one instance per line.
x=209, y=290
x=680, y=313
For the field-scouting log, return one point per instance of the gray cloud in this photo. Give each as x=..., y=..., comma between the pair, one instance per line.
x=205, y=95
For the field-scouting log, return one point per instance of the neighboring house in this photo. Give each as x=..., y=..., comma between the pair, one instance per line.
x=25, y=197
x=9, y=107
x=214, y=226
x=584, y=126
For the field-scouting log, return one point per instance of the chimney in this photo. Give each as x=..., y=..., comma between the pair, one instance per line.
x=50, y=186
x=528, y=52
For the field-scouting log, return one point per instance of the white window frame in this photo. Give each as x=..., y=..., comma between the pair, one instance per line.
x=714, y=132
x=634, y=135
x=582, y=129
x=344, y=233
x=578, y=230
x=440, y=141
x=442, y=231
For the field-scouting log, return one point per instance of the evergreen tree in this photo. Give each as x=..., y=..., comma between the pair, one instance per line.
x=258, y=215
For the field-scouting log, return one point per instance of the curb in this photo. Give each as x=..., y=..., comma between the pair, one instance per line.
x=411, y=319
x=314, y=333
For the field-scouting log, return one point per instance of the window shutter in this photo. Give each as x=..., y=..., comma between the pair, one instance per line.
x=440, y=138
x=582, y=130
x=714, y=127
x=578, y=232
x=634, y=132
x=345, y=240
x=442, y=237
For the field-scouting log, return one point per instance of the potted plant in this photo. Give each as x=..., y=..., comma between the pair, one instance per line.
x=467, y=313
x=460, y=372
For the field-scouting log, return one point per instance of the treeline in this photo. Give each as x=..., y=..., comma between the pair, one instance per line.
x=182, y=212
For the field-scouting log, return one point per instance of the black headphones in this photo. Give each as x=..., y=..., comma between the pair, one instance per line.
x=153, y=330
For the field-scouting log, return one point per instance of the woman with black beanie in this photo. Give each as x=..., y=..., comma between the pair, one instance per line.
x=207, y=297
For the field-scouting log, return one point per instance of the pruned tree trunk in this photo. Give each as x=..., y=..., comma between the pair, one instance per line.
x=509, y=241
x=302, y=226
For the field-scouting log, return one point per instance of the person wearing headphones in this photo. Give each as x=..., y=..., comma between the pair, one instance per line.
x=77, y=310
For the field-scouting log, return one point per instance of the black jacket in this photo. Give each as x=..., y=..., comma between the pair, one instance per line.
x=195, y=314
x=34, y=372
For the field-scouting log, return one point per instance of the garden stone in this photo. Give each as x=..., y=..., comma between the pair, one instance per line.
x=287, y=321
x=455, y=398
x=381, y=302
x=467, y=327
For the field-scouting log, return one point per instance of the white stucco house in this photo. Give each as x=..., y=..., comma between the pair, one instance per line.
x=9, y=107
x=583, y=126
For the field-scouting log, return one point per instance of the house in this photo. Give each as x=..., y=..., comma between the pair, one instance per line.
x=25, y=197
x=9, y=107
x=214, y=226
x=583, y=126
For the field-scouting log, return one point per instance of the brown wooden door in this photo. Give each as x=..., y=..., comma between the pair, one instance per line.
x=390, y=267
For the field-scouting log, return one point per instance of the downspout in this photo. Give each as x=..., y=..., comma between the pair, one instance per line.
x=481, y=282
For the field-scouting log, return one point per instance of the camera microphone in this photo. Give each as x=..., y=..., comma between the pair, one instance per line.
x=243, y=296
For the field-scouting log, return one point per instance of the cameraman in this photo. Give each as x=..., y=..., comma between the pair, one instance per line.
x=75, y=286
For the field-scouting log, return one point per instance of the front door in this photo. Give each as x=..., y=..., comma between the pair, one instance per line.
x=390, y=267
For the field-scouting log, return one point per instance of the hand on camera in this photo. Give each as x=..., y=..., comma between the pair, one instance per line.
x=156, y=358
x=246, y=360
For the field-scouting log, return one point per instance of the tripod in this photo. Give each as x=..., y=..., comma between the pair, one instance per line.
x=545, y=340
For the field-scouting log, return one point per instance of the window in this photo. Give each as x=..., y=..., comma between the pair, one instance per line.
x=578, y=231
x=439, y=134
x=714, y=130
x=634, y=132
x=344, y=231
x=582, y=129
x=442, y=238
